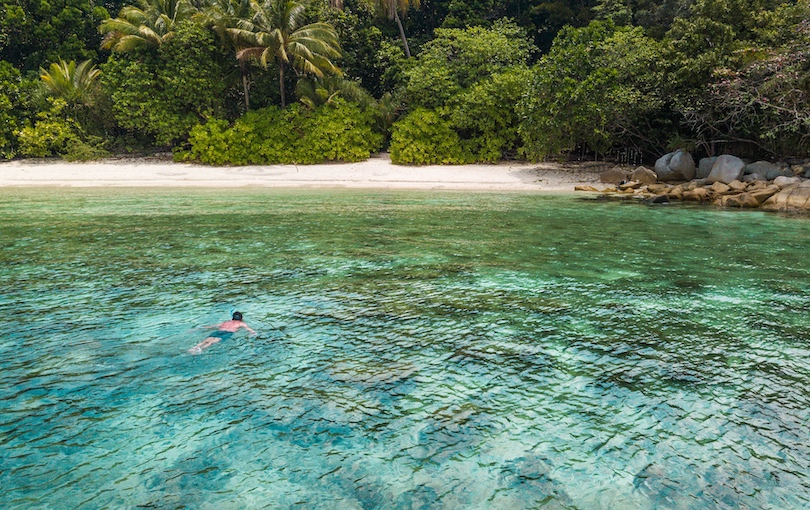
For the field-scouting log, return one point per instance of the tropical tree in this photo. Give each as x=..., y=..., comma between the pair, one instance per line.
x=76, y=84
x=34, y=33
x=147, y=26
x=392, y=8
x=221, y=16
x=274, y=32
x=316, y=92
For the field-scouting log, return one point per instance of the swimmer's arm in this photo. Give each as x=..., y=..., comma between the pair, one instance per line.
x=249, y=329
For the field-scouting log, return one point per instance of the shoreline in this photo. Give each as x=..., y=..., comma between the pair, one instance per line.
x=377, y=172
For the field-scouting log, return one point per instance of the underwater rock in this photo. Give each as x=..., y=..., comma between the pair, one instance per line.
x=535, y=472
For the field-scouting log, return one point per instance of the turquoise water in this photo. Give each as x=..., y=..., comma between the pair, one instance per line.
x=415, y=350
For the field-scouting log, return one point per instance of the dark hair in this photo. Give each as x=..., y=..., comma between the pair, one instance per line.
x=237, y=316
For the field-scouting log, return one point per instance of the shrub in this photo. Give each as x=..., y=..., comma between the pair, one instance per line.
x=56, y=133
x=485, y=115
x=10, y=88
x=423, y=137
x=597, y=87
x=164, y=94
x=338, y=131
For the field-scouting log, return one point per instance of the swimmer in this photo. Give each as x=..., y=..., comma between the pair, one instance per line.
x=224, y=332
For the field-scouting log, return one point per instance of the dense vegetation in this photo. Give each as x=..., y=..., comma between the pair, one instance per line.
x=432, y=81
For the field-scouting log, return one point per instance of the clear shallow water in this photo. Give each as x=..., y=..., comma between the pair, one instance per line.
x=416, y=350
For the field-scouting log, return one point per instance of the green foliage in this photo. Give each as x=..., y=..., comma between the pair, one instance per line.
x=165, y=94
x=10, y=119
x=423, y=137
x=56, y=133
x=360, y=42
x=458, y=58
x=145, y=26
x=761, y=107
x=276, y=33
x=316, y=92
x=596, y=87
x=339, y=131
x=35, y=33
x=485, y=115
x=77, y=85
x=472, y=80
x=466, y=13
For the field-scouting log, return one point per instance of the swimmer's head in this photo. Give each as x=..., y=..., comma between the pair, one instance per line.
x=237, y=316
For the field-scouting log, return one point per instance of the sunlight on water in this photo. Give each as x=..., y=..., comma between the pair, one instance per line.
x=415, y=350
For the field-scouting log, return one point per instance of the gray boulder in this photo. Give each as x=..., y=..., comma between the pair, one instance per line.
x=761, y=168
x=644, y=176
x=754, y=177
x=662, y=166
x=784, y=182
x=773, y=173
x=675, y=166
x=705, y=167
x=727, y=168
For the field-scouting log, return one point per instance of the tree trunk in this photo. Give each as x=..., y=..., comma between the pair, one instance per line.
x=402, y=34
x=281, y=84
x=246, y=89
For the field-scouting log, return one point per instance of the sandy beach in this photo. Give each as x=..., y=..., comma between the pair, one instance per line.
x=377, y=172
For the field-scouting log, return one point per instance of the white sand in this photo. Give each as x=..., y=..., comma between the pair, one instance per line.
x=377, y=172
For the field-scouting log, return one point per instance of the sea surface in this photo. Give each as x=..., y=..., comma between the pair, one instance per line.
x=414, y=350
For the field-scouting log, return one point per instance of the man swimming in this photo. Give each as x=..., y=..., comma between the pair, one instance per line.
x=224, y=332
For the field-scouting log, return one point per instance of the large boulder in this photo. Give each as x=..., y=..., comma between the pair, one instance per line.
x=662, y=170
x=737, y=185
x=762, y=168
x=763, y=194
x=614, y=175
x=644, y=176
x=754, y=178
x=727, y=168
x=792, y=198
x=773, y=173
x=675, y=166
x=740, y=200
x=784, y=182
x=705, y=167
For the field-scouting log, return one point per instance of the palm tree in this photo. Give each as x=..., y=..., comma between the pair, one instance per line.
x=147, y=26
x=273, y=33
x=76, y=84
x=220, y=16
x=315, y=92
x=392, y=8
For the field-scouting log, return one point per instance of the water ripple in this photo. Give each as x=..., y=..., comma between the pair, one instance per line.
x=414, y=350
